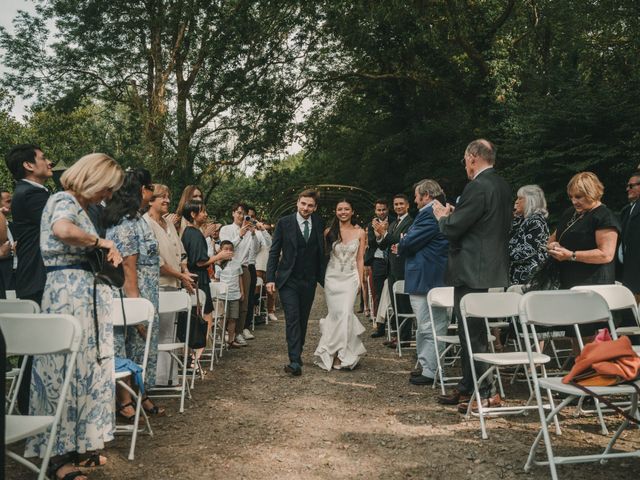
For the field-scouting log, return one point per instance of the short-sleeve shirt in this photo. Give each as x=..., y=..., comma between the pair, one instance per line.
x=195, y=246
x=579, y=233
x=230, y=275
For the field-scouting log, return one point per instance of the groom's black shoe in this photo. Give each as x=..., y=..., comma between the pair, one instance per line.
x=379, y=331
x=293, y=369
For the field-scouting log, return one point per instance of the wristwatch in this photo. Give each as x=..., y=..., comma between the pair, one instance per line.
x=573, y=256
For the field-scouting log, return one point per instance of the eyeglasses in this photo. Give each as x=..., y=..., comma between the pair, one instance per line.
x=631, y=185
x=149, y=187
x=463, y=161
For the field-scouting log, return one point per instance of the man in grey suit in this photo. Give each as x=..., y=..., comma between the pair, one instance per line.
x=478, y=234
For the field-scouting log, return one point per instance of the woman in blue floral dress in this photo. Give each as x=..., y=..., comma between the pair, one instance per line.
x=137, y=243
x=67, y=234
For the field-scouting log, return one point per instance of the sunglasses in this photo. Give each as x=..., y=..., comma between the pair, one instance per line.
x=148, y=187
x=631, y=185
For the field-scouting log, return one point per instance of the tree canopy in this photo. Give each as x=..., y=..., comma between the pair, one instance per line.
x=380, y=94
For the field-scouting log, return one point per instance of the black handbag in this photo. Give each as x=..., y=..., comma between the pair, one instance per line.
x=103, y=270
x=105, y=273
x=546, y=277
x=197, y=327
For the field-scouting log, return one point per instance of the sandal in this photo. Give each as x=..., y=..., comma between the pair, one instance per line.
x=233, y=345
x=52, y=470
x=129, y=418
x=89, y=460
x=154, y=410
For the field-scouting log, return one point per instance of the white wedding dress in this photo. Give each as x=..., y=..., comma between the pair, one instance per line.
x=340, y=328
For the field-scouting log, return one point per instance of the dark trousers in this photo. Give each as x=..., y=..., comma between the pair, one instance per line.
x=404, y=306
x=479, y=344
x=25, y=387
x=297, y=297
x=378, y=275
x=251, y=293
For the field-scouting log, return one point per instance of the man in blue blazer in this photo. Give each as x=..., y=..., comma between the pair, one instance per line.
x=425, y=250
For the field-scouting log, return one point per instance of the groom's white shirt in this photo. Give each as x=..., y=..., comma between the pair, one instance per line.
x=301, y=221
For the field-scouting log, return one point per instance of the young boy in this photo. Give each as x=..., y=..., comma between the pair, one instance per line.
x=230, y=272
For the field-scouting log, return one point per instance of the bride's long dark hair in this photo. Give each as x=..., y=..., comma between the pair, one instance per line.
x=333, y=235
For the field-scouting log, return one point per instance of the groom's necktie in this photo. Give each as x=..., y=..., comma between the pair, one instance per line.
x=305, y=232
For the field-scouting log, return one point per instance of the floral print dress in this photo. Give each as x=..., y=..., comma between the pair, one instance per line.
x=89, y=419
x=133, y=236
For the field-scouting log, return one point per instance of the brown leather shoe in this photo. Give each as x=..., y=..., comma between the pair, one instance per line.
x=453, y=398
x=393, y=342
x=494, y=401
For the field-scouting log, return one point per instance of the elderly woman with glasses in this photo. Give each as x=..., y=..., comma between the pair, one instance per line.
x=174, y=274
x=529, y=234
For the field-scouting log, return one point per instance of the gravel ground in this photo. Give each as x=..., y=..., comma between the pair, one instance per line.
x=249, y=420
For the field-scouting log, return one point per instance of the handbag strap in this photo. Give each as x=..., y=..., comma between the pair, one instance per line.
x=198, y=306
x=95, y=318
x=608, y=402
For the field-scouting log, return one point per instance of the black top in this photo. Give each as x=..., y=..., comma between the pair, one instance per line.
x=578, y=233
x=527, y=247
x=195, y=246
x=26, y=209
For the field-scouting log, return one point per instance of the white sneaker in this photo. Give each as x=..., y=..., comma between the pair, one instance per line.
x=272, y=317
x=240, y=339
x=246, y=333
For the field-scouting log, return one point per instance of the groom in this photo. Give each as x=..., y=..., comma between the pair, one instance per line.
x=299, y=239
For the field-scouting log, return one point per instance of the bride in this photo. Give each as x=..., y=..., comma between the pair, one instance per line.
x=340, y=347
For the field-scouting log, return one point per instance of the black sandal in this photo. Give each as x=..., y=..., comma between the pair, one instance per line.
x=52, y=470
x=155, y=410
x=88, y=460
x=129, y=418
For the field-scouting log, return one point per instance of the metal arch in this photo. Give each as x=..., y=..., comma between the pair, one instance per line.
x=362, y=200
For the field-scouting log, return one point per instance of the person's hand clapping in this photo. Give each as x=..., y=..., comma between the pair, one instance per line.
x=223, y=255
x=5, y=249
x=558, y=252
x=271, y=288
x=172, y=218
x=440, y=210
x=187, y=281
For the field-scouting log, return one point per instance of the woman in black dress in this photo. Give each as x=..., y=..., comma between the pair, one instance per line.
x=584, y=242
x=195, y=246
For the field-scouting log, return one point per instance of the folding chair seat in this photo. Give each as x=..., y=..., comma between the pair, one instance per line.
x=47, y=334
x=175, y=302
x=486, y=306
x=570, y=309
x=15, y=306
x=402, y=318
x=138, y=311
x=219, y=294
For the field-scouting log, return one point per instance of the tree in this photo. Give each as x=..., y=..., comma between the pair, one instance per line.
x=209, y=83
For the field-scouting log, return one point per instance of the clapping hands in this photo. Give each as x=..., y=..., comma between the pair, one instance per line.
x=440, y=210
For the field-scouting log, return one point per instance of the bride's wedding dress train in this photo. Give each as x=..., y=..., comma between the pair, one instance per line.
x=340, y=329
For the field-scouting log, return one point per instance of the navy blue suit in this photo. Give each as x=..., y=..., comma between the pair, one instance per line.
x=425, y=250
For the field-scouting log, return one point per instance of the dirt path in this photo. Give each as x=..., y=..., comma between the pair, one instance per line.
x=249, y=420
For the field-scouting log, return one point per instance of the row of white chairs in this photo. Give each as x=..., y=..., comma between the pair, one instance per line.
x=559, y=309
x=28, y=332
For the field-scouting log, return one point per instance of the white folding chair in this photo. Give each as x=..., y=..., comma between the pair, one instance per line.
x=486, y=306
x=40, y=334
x=262, y=299
x=15, y=306
x=219, y=294
x=138, y=311
x=176, y=302
x=401, y=318
x=442, y=297
x=567, y=308
x=618, y=298
x=10, y=295
x=197, y=366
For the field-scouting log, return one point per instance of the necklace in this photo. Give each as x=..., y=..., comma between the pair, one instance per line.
x=575, y=218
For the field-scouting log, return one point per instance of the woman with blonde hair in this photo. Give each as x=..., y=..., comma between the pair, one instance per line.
x=67, y=234
x=584, y=242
